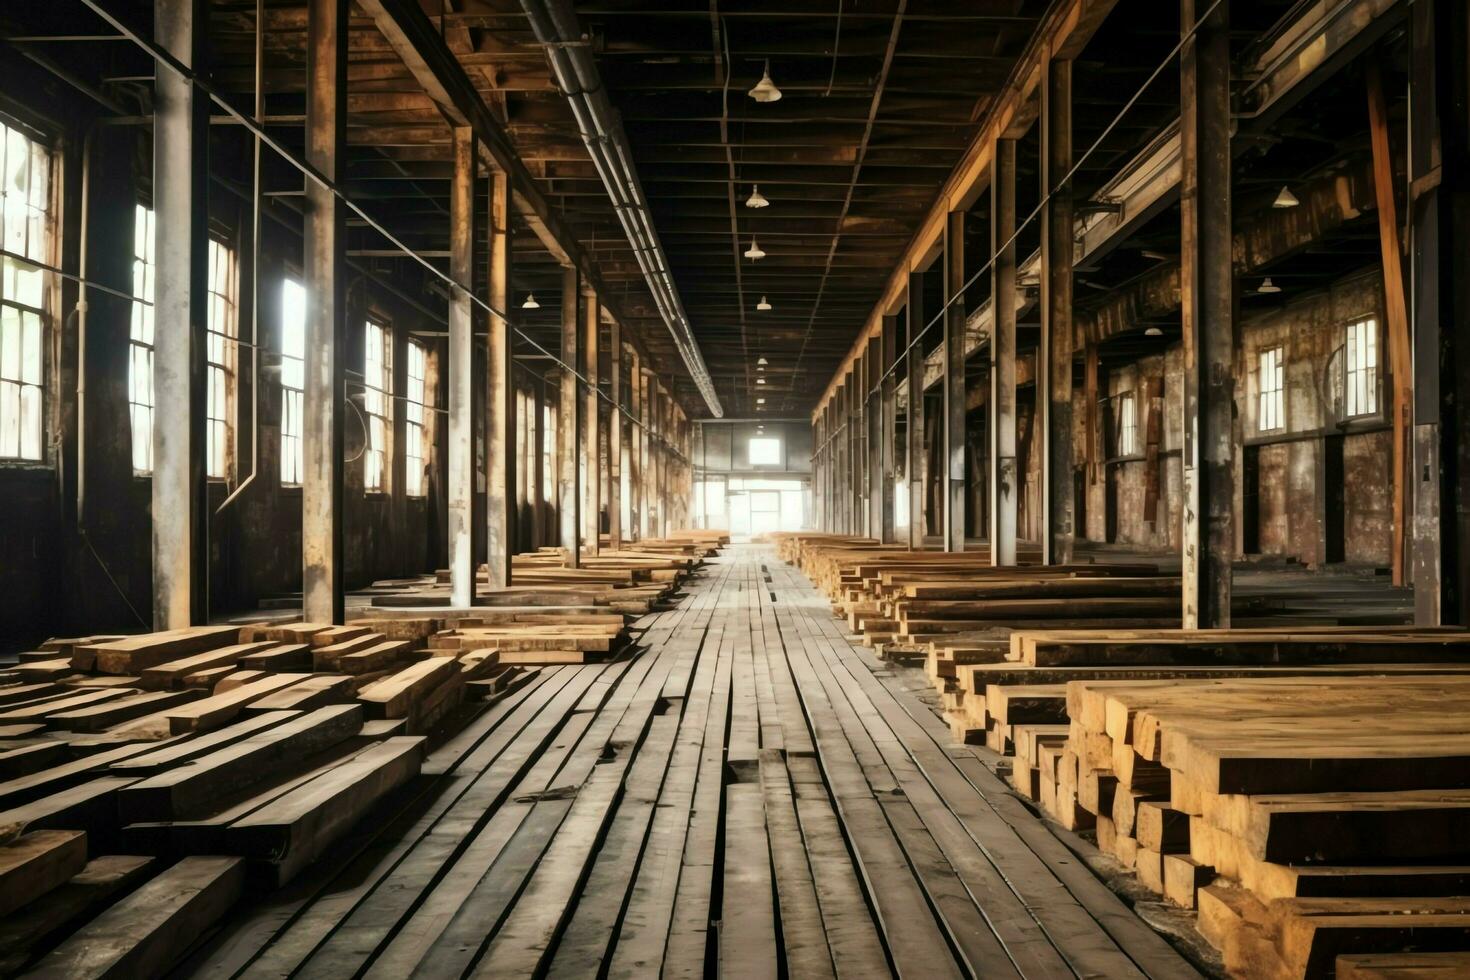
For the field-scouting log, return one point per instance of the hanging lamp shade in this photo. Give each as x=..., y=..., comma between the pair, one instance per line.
x=765, y=90
x=756, y=199
x=1268, y=287
x=755, y=251
x=763, y=305
x=530, y=303
x=1285, y=199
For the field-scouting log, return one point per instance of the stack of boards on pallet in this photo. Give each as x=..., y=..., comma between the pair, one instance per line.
x=631, y=580
x=145, y=780
x=1308, y=792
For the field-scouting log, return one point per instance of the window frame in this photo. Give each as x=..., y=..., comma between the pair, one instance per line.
x=1271, y=392
x=221, y=356
x=292, y=396
x=1364, y=328
x=377, y=404
x=416, y=432
x=778, y=453
x=27, y=347
x=141, y=338
x=1127, y=425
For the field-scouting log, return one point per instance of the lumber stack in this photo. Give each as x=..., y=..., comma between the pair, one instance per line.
x=1307, y=816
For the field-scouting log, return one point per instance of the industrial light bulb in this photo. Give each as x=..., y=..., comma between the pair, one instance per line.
x=530, y=303
x=1153, y=332
x=756, y=198
x=762, y=361
x=760, y=381
x=765, y=90
x=1285, y=199
x=755, y=251
x=762, y=305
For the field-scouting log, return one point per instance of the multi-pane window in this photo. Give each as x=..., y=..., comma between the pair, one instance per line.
x=764, y=452
x=25, y=229
x=140, y=342
x=377, y=373
x=1127, y=425
x=221, y=356
x=1362, y=367
x=293, y=378
x=1272, y=412
x=416, y=404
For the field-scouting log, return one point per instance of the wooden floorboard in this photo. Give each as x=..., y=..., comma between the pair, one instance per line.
x=743, y=793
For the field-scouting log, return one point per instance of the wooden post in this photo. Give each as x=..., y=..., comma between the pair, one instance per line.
x=1395, y=305
x=635, y=446
x=591, y=423
x=461, y=443
x=180, y=200
x=326, y=315
x=915, y=427
x=953, y=499
x=615, y=438
x=1059, y=507
x=1004, y=485
x=873, y=415
x=536, y=482
x=500, y=402
x=568, y=436
x=1206, y=290
x=887, y=437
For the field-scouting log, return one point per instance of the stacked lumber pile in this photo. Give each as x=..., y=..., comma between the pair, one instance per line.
x=1308, y=818
x=569, y=640
x=145, y=779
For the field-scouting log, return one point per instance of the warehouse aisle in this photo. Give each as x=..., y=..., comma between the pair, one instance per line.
x=750, y=790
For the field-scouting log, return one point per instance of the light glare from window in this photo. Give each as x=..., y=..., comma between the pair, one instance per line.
x=765, y=452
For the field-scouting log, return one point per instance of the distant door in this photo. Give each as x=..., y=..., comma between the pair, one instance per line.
x=1250, y=500
x=1334, y=525
x=765, y=511
x=739, y=513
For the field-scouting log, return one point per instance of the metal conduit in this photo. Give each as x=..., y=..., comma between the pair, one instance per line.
x=556, y=28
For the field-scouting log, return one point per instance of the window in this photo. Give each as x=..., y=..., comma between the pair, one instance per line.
x=1272, y=413
x=416, y=405
x=1127, y=425
x=221, y=356
x=140, y=342
x=293, y=378
x=1362, y=367
x=25, y=230
x=765, y=452
x=377, y=373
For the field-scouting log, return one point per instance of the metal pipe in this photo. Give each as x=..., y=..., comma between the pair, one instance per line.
x=556, y=27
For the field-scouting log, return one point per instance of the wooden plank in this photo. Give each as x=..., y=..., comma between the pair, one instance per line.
x=133, y=654
x=48, y=917
x=34, y=863
x=212, y=712
x=149, y=931
x=747, y=932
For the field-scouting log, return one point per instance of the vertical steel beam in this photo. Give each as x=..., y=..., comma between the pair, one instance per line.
x=615, y=438
x=914, y=444
x=1003, y=478
x=954, y=382
x=461, y=443
x=873, y=416
x=1206, y=289
x=326, y=319
x=1439, y=216
x=1059, y=507
x=181, y=222
x=591, y=423
x=500, y=399
x=569, y=489
x=887, y=437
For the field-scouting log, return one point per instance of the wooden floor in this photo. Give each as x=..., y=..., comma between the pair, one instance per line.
x=749, y=794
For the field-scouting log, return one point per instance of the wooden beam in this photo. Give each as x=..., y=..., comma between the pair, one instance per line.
x=500, y=400
x=1054, y=398
x=615, y=439
x=953, y=484
x=915, y=423
x=1005, y=488
x=460, y=493
x=887, y=438
x=568, y=437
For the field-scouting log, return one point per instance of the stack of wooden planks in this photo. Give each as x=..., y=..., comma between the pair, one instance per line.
x=1306, y=817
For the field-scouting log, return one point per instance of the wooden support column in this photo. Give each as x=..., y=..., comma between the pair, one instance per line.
x=461, y=442
x=887, y=436
x=635, y=446
x=1439, y=231
x=181, y=223
x=1206, y=289
x=645, y=460
x=323, y=246
x=569, y=489
x=954, y=383
x=844, y=455
x=591, y=423
x=536, y=478
x=1396, y=308
x=500, y=401
x=615, y=438
x=915, y=429
x=873, y=415
x=655, y=459
x=1003, y=478
x=1054, y=381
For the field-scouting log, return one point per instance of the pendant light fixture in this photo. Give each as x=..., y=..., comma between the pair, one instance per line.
x=1285, y=199
x=762, y=361
x=756, y=198
x=1153, y=332
x=1267, y=287
x=530, y=303
x=760, y=381
x=765, y=90
x=763, y=305
x=755, y=251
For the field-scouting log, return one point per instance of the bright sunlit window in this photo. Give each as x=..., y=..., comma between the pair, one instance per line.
x=293, y=378
x=140, y=342
x=25, y=230
x=765, y=452
x=1127, y=425
x=1272, y=414
x=221, y=356
x=377, y=374
x=1362, y=367
x=416, y=403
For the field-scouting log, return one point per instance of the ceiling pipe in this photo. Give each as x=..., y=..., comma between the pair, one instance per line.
x=569, y=53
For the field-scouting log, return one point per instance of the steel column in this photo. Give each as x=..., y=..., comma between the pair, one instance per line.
x=569, y=488
x=1054, y=380
x=181, y=222
x=1206, y=289
x=326, y=314
x=914, y=443
x=461, y=442
x=500, y=400
x=1003, y=478
x=954, y=382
